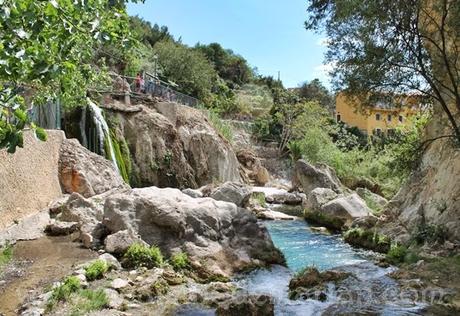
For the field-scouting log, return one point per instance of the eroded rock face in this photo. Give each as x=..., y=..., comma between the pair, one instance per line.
x=228, y=238
x=87, y=213
x=175, y=146
x=85, y=172
x=310, y=177
x=119, y=242
x=430, y=196
x=252, y=167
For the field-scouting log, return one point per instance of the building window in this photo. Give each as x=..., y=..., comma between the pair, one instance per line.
x=389, y=117
x=377, y=116
x=401, y=119
x=377, y=132
x=339, y=118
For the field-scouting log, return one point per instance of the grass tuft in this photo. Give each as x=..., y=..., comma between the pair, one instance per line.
x=6, y=254
x=96, y=270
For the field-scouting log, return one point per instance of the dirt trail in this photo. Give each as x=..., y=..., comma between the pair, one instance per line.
x=35, y=264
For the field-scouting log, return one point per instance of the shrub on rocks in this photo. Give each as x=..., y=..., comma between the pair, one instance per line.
x=96, y=270
x=179, y=261
x=396, y=254
x=139, y=255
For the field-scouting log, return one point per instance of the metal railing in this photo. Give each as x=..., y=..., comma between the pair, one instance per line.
x=155, y=87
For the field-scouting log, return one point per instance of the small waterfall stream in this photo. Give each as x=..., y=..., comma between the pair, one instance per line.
x=103, y=132
x=370, y=290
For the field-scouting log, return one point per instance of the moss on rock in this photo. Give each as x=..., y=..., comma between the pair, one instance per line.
x=317, y=217
x=368, y=239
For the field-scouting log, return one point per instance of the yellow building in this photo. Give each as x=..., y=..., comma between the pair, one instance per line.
x=382, y=117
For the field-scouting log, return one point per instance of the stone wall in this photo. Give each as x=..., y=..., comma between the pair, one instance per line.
x=29, y=178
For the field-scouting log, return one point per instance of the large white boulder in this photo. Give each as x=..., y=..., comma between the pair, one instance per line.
x=346, y=208
x=232, y=192
x=318, y=197
x=310, y=177
x=227, y=237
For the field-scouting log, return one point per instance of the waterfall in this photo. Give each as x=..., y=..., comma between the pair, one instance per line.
x=103, y=131
x=82, y=124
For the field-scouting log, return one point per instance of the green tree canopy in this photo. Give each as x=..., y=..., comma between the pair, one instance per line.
x=47, y=47
x=393, y=47
x=316, y=91
x=187, y=67
x=231, y=67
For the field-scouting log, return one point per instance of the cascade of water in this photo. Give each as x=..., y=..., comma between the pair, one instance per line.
x=82, y=124
x=103, y=131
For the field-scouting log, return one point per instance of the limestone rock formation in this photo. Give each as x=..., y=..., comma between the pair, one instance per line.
x=280, y=196
x=312, y=284
x=318, y=197
x=232, y=192
x=252, y=167
x=119, y=242
x=85, y=172
x=171, y=145
x=375, y=199
x=346, y=208
x=327, y=208
x=227, y=237
x=310, y=177
x=431, y=196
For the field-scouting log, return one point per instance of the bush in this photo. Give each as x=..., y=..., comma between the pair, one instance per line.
x=139, y=255
x=295, y=150
x=396, y=254
x=180, y=261
x=96, y=270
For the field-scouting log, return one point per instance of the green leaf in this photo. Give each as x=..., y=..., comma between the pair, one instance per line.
x=41, y=134
x=50, y=10
x=20, y=114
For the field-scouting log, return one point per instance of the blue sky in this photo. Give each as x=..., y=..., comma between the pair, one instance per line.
x=268, y=33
